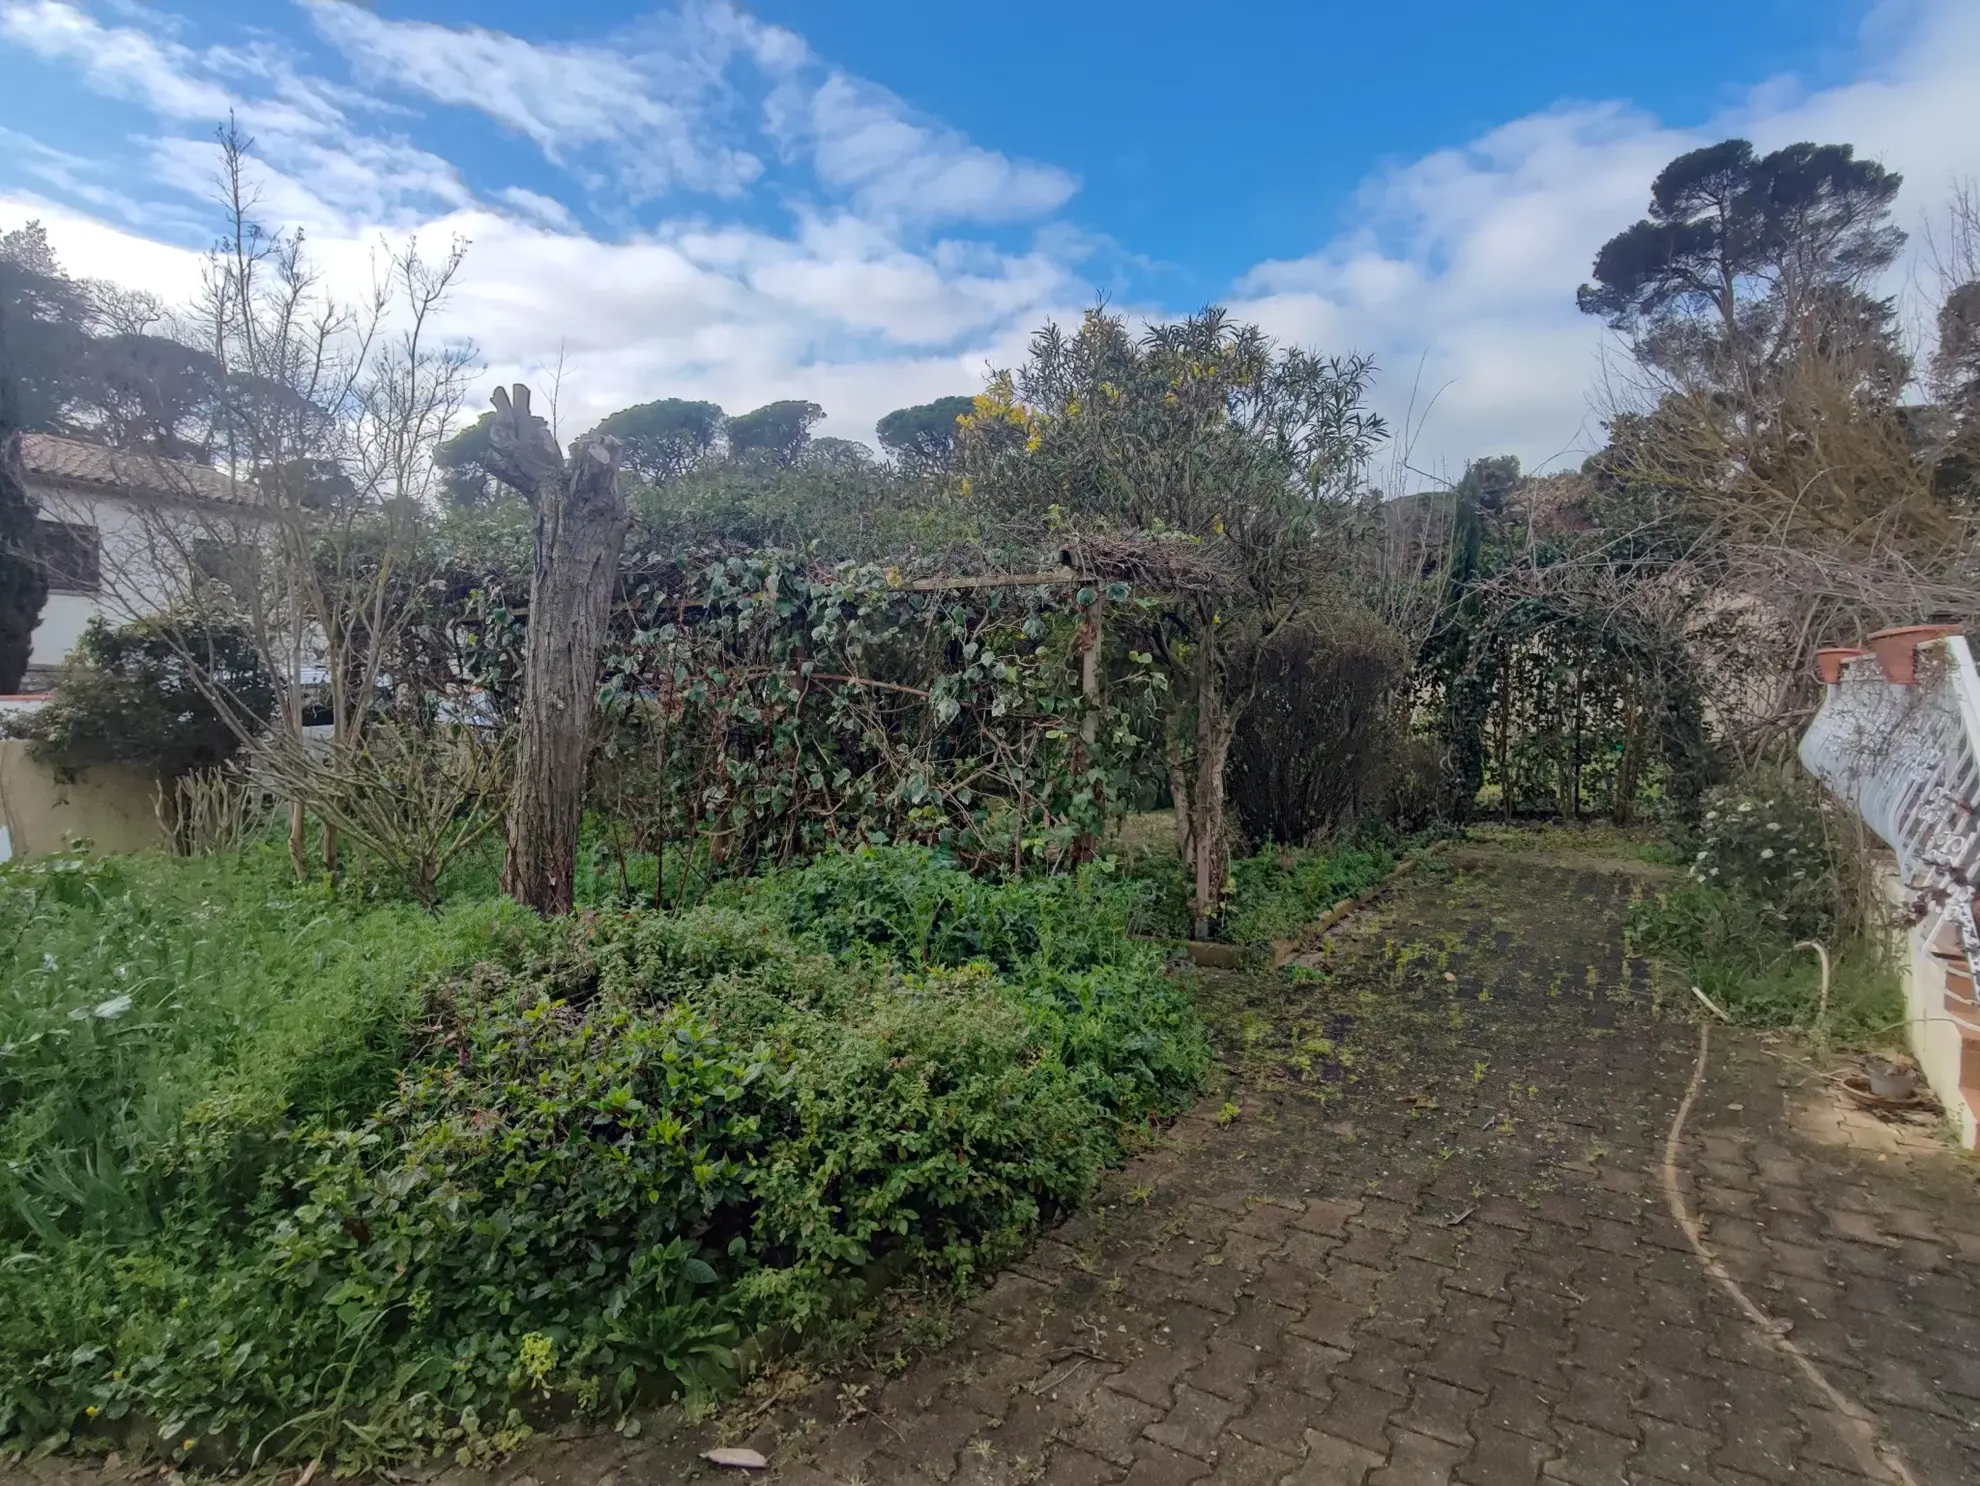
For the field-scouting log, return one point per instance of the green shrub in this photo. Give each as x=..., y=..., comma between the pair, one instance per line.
x=512, y=1161
x=130, y=697
x=1276, y=893
x=1766, y=839
x=1735, y=949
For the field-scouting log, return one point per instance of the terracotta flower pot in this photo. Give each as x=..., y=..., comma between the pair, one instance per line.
x=1830, y=660
x=1897, y=649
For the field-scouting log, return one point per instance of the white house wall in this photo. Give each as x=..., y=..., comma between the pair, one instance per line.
x=144, y=561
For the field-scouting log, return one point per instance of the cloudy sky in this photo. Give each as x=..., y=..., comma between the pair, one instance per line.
x=866, y=204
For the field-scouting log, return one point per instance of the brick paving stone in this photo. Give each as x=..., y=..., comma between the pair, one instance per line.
x=1491, y=1292
x=1517, y=1406
x=1195, y=1422
x=1381, y=1363
x=1308, y=1367
x=1278, y=1418
x=1110, y=1424
x=1077, y=1468
x=1674, y=1452
x=1033, y=1425
x=1440, y=1410
x=1326, y=1217
x=1417, y=1460
x=1328, y=1319
x=1359, y=1413
x=1333, y=1461
x=1242, y=1463
x=1228, y=1370
x=1501, y=1458
x=1588, y=1457
x=1157, y=1465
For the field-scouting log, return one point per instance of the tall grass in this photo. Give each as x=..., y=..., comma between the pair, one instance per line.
x=1735, y=950
x=288, y=1170
x=143, y=995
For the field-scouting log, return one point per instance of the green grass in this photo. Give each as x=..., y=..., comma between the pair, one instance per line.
x=1268, y=896
x=1278, y=892
x=293, y=1170
x=1736, y=953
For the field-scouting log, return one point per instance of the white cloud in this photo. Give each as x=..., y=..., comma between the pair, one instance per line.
x=120, y=61
x=1462, y=264
x=652, y=110
x=1461, y=273
x=673, y=103
x=864, y=140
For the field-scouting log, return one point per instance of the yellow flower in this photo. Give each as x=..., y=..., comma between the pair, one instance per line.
x=187, y=1444
x=91, y=1411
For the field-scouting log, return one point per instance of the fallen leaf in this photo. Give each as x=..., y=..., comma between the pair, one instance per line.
x=748, y=1460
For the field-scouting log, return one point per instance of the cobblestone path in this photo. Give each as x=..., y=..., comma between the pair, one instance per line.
x=1431, y=1244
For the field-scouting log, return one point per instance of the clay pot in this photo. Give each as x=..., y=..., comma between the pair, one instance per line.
x=1897, y=649
x=1830, y=660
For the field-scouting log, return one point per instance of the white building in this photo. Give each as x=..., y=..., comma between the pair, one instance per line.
x=119, y=534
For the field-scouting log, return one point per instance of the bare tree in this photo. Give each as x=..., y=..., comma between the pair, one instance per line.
x=581, y=521
x=330, y=416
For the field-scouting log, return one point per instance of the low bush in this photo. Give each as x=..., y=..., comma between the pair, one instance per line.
x=1734, y=948
x=1278, y=892
x=1766, y=839
x=531, y=1165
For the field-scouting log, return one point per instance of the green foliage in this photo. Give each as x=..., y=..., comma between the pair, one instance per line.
x=1733, y=948
x=467, y=481
x=923, y=437
x=81, y=361
x=23, y=584
x=142, y=695
x=776, y=433
x=390, y=1182
x=664, y=440
x=1765, y=873
x=1746, y=241
x=766, y=709
x=1768, y=839
x=1277, y=892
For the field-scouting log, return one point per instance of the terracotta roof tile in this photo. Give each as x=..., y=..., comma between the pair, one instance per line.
x=46, y=457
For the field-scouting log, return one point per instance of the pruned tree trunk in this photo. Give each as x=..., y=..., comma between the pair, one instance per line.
x=1215, y=727
x=581, y=521
x=1179, y=787
x=1207, y=817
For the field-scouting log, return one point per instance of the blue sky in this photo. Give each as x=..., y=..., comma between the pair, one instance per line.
x=867, y=203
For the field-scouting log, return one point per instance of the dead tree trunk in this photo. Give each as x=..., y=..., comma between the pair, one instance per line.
x=581, y=521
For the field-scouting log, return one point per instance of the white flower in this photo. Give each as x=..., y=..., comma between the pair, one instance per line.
x=1700, y=857
x=1766, y=853
x=1711, y=815
x=1773, y=825
x=1713, y=873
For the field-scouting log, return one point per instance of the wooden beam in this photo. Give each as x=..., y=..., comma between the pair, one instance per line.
x=994, y=580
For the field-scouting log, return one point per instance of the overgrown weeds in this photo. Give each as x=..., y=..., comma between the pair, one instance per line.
x=288, y=1176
